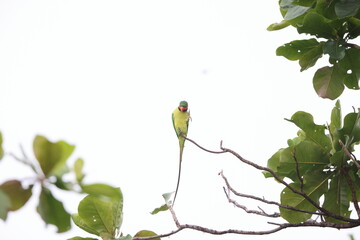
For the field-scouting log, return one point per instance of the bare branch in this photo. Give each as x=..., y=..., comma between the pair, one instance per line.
x=264, y=200
x=206, y=150
x=261, y=212
x=317, y=206
x=246, y=232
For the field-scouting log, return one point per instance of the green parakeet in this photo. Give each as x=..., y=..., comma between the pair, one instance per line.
x=180, y=119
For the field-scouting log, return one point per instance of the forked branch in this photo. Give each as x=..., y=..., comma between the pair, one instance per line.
x=346, y=222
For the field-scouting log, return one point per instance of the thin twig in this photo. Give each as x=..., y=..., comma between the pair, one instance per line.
x=261, y=212
x=298, y=171
x=349, y=154
x=206, y=150
x=264, y=200
x=353, y=45
x=177, y=223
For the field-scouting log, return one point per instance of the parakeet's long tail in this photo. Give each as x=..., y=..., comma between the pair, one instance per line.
x=178, y=181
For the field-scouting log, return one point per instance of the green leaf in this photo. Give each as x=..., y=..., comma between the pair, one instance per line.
x=146, y=233
x=309, y=58
x=160, y=209
x=52, y=211
x=127, y=237
x=295, y=49
x=307, y=3
x=350, y=133
x=99, y=189
x=354, y=27
x=51, y=156
x=306, y=51
x=1, y=149
x=81, y=238
x=313, y=132
x=347, y=8
x=336, y=200
x=310, y=156
x=17, y=194
x=315, y=185
x=317, y=25
x=5, y=205
x=299, y=159
x=351, y=68
x=335, y=117
x=295, y=11
x=335, y=48
x=328, y=82
x=78, y=169
x=278, y=26
x=273, y=163
x=338, y=158
x=81, y=224
x=102, y=213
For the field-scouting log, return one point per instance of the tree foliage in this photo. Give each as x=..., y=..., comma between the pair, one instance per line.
x=332, y=25
x=317, y=164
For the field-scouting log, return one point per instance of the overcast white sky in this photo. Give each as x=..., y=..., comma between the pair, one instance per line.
x=106, y=75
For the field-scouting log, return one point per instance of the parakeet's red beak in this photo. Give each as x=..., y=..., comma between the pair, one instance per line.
x=183, y=109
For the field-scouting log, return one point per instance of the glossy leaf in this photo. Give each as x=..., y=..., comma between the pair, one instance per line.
x=313, y=132
x=336, y=199
x=5, y=205
x=102, y=213
x=295, y=49
x=1, y=148
x=51, y=156
x=278, y=26
x=317, y=25
x=146, y=233
x=315, y=185
x=335, y=48
x=81, y=224
x=335, y=117
x=351, y=68
x=52, y=211
x=307, y=3
x=350, y=133
x=347, y=8
x=306, y=51
x=295, y=11
x=328, y=82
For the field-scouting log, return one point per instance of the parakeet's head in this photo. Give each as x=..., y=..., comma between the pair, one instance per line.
x=183, y=106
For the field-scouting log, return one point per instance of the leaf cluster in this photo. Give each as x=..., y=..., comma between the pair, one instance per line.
x=99, y=213
x=332, y=24
x=316, y=163
x=49, y=168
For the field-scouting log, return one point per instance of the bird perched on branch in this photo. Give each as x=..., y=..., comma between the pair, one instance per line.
x=180, y=119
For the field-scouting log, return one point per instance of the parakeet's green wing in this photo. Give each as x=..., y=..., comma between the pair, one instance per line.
x=172, y=117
